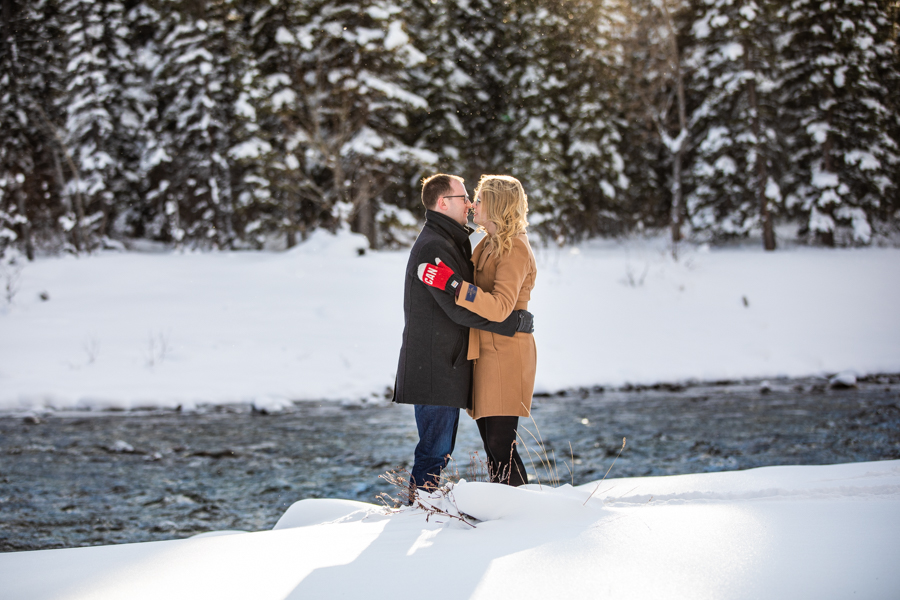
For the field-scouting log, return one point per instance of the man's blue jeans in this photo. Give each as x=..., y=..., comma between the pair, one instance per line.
x=437, y=437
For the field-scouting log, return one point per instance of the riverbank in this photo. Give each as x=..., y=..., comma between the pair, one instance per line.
x=86, y=478
x=824, y=532
x=141, y=330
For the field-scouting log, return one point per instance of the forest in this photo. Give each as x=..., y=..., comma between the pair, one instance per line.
x=248, y=124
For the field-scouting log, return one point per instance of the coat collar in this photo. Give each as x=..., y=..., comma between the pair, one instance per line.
x=458, y=233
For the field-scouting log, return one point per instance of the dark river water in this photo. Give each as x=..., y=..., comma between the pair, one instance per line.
x=88, y=478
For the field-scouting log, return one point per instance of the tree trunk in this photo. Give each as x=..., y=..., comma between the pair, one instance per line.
x=364, y=220
x=827, y=237
x=67, y=202
x=761, y=172
x=25, y=226
x=678, y=209
x=677, y=198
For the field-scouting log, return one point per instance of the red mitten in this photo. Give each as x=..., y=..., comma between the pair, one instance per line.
x=439, y=276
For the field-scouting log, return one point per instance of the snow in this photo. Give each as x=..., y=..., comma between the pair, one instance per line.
x=732, y=51
x=819, y=221
x=716, y=138
x=776, y=532
x=726, y=165
x=321, y=321
x=819, y=131
x=283, y=36
x=286, y=97
x=244, y=108
x=865, y=160
x=823, y=179
x=839, y=76
x=365, y=142
x=862, y=231
x=378, y=13
x=364, y=35
x=608, y=190
x=748, y=11
x=252, y=148
x=392, y=91
x=396, y=37
x=773, y=191
x=700, y=29
x=843, y=379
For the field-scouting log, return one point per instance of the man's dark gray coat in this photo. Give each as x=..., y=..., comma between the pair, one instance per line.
x=433, y=366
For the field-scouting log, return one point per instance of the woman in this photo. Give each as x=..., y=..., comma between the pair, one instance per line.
x=505, y=271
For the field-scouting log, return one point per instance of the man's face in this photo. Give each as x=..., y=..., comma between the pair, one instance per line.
x=457, y=202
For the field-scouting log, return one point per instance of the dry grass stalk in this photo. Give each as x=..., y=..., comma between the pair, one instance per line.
x=607, y=472
x=407, y=495
x=548, y=463
x=572, y=470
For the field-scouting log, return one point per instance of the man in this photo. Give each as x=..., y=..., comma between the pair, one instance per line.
x=434, y=373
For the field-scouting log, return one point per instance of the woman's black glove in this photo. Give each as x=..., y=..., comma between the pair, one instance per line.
x=526, y=322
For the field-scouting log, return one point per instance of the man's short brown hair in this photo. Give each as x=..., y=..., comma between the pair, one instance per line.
x=436, y=186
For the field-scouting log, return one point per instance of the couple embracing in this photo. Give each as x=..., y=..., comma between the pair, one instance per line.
x=467, y=338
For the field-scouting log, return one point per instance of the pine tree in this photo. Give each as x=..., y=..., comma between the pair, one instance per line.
x=268, y=201
x=31, y=152
x=100, y=125
x=732, y=56
x=567, y=145
x=9, y=222
x=135, y=113
x=839, y=93
x=654, y=103
x=196, y=84
x=449, y=34
x=345, y=105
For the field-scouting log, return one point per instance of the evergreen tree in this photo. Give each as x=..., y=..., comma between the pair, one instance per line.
x=731, y=57
x=9, y=222
x=226, y=124
x=841, y=111
x=654, y=103
x=101, y=123
x=196, y=84
x=489, y=56
x=31, y=149
x=345, y=106
x=449, y=35
x=136, y=115
x=268, y=199
x=567, y=140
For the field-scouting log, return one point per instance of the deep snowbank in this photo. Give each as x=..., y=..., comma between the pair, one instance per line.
x=775, y=532
x=320, y=322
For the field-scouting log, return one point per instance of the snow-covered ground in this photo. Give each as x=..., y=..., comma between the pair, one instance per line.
x=777, y=532
x=124, y=330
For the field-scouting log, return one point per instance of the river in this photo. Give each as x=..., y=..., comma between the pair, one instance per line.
x=88, y=478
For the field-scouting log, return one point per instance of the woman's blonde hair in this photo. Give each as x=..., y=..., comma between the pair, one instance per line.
x=505, y=205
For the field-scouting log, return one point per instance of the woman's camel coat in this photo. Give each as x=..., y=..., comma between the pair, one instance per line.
x=504, y=366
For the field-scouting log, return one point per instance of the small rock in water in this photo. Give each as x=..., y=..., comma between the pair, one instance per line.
x=765, y=387
x=843, y=380
x=270, y=405
x=121, y=446
x=32, y=419
x=44, y=296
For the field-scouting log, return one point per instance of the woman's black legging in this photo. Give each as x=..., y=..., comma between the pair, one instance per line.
x=504, y=463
